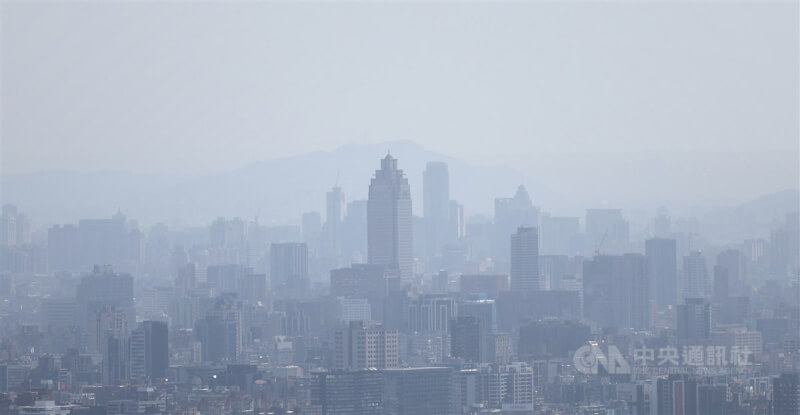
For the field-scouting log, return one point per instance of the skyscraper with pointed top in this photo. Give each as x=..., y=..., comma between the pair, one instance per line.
x=334, y=214
x=389, y=221
x=509, y=214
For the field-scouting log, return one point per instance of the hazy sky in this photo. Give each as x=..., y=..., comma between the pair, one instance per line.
x=197, y=88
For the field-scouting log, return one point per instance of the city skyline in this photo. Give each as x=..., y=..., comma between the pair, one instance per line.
x=400, y=208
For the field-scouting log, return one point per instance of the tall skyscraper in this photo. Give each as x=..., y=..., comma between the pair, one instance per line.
x=334, y=215
x=662, y=259
x=525, y=260
x=220, y=333
x=225, y=278
x=103, y=288
x=15, y=228
x=695, y=319
x=696, y=281
x=466, y=338
x=436, y=205
x=734, y=264
x=116, y=355
x=389, y=221
x=616, y=291
x=674, y=394
x=289, y=269
x=457, y=228
x=784, y=246
x=149, y=350
x=110, y=335
x=786, y=394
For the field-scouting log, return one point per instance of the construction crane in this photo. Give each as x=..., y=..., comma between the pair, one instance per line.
x=600, y=244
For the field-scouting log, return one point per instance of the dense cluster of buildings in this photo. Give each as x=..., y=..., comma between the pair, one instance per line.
x=375, y=311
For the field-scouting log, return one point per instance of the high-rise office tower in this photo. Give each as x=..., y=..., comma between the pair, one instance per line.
x=695, y=319
x=103, y=288
x=108, y=321
x=63, y=319
x=220, y=334
x=110, y=336
x=334, y=215
x=721, y=289
x=389, y=221
x=616, y=291
x=289, y=269
x=525, y=260
x=712, y=399
x=696, y=281
x=786, y=394
x=436, y=205
x=457, y=228
x=149, y=350
x=15, y=228
x=635, y=284
x=483, y=310
x=8, y=225
x=62, y=243
x=509, y=215
x=606, y=231
x=363, y=345
x=253, y=288
x=116, y=355
x=662, y=259
x=110, y=241
x=674, y=394
x=466, y=338
x=518, y=384
x=225, y=278
x=186, y=280
x=784, y=246
x=734, y=264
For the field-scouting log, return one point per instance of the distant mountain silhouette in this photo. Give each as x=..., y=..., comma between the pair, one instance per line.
x=773, y=206
x=751, y=219
x=277, y=190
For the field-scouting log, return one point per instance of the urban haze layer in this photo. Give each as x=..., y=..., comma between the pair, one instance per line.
x=400, y=208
